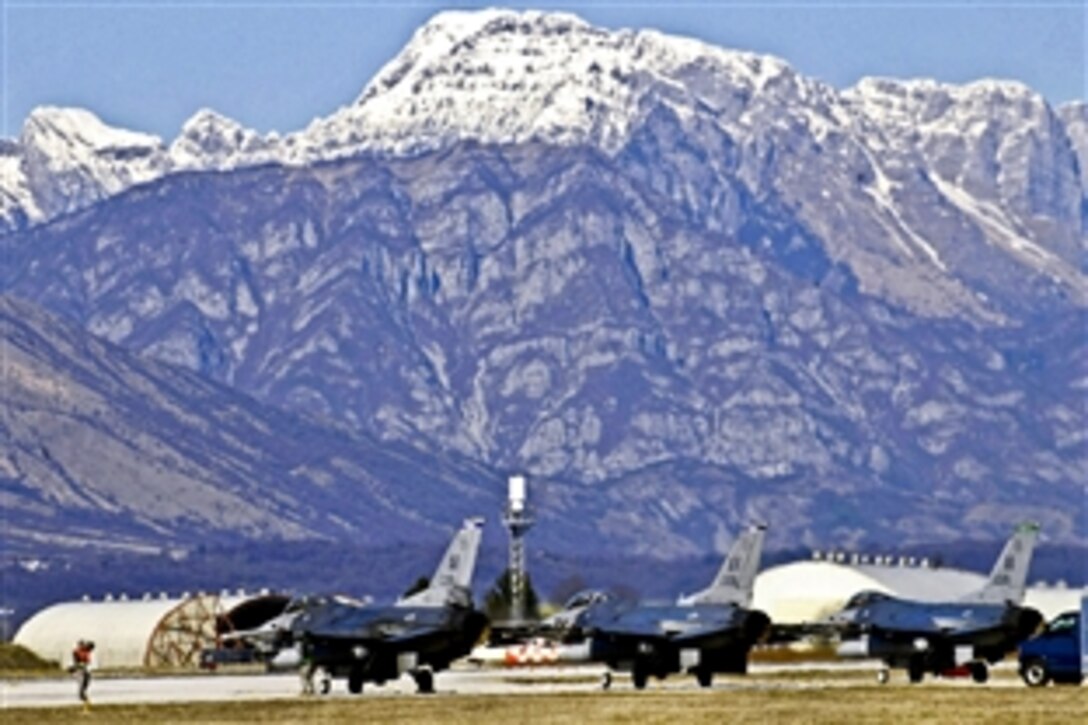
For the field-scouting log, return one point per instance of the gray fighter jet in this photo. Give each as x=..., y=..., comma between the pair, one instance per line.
x=419, y=634
x=945, y=638
x=708, y=632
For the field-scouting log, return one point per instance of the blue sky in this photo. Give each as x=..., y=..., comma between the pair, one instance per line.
x=273, y=64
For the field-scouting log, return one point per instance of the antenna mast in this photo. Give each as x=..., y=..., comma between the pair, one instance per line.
x=518, y=520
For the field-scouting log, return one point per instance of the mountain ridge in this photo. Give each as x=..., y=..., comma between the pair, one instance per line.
x=769, y=301
x=108, y=451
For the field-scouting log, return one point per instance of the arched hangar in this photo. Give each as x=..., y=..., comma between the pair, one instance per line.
x=147, y=632
x=808, y=591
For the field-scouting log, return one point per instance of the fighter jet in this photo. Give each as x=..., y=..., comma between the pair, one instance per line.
x=419, y=634
x=702, y=634
x=945, y=638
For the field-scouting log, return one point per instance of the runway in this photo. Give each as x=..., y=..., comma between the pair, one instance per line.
x=61, y=691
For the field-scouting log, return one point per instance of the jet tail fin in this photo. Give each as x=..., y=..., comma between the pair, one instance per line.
x=452, y=580
x=1010, y=572
x=736, y=578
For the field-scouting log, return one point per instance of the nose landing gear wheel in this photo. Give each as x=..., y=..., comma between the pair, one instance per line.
x=424, y=681
x=883, y=675
x=606, y=680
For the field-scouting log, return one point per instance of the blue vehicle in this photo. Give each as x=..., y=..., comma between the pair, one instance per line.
x=1055, y=654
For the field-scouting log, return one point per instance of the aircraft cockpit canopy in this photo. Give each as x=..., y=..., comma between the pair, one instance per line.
x=1067, y=621
x=585, y=598
x=866, y=598
x=297, y=604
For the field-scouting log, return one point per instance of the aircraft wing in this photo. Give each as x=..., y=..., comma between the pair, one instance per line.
x=950, y=632
x=944, y=623
x=382, y=632
x=269, y=637
x=683, y=625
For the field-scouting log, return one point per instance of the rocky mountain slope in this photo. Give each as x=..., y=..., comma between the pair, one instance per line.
x=105, y=450
x=687, y=286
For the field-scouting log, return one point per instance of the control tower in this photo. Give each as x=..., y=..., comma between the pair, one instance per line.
x=518, y=520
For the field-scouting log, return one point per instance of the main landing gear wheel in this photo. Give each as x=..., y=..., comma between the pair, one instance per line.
x=424, y=681
x=979, y=672
x=883, y=675
x=639, y=676
x=355, y=682
x=324, y=685
x=705, y=678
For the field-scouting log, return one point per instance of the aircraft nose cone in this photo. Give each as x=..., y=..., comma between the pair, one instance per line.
x=846, y=616
x=846, y=622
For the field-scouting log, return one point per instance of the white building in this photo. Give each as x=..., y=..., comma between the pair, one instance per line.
x=807, y=591
x=145, y=632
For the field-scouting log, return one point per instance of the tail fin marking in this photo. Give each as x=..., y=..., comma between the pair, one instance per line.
x=736, y=578
x=1010, y=572
x=453, y=577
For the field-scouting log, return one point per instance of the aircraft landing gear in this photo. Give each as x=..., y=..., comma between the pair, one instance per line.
x=705, y=678
x=979, y=672
x=315, y=680
x=883, y=675
x=355, y=682
x=424, y=681
x=606, y=680
x=639, y=675
x=916, y=670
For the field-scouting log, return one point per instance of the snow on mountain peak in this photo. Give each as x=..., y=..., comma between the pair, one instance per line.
x=452, y=31
x=77, y=128
x=70, y=158
x=996, y=153
x=502, y=76
x=997, y=141
x=210, y=140
x=926, y=101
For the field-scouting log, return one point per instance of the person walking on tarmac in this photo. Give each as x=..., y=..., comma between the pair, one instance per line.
x=82, y=665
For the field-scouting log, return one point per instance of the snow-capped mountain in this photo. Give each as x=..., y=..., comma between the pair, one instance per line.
x=71, y=159
x=210, y=141
x=686, y=282
x=67, y=159
x=906, y=181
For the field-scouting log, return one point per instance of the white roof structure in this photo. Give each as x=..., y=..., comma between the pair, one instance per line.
x=148, y=632
x=1052, y=601
x=807, y=591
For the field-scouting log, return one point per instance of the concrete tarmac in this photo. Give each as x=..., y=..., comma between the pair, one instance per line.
x=61, y=691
